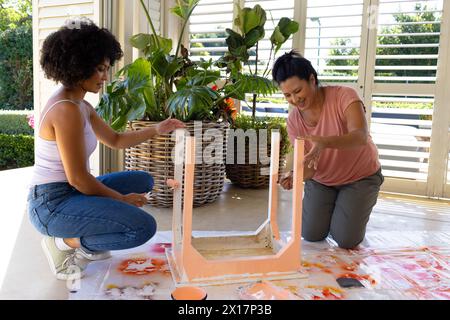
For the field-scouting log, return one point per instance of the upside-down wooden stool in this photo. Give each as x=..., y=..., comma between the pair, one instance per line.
x=239, y=257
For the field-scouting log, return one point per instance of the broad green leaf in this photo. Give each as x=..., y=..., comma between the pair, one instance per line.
x=254, y=36
x=285, y=28
x=159, y=63
x=119, y=123
x=137, y=107
x=199, y=99
x=277, y=37
x=166, y=45
x=175, y=65
x=148, y=43
x=288, y=27
x=139, y=68
x=254, y=84
x=236, y=45
x=184, y=8
x=247, y=19
x=141, y=40
x=202, y=77
x=234, y=40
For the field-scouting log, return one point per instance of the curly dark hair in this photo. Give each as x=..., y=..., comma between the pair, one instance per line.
x=72, y=53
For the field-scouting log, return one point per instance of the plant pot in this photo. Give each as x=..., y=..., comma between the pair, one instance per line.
x=155, y=157
x=249, y=175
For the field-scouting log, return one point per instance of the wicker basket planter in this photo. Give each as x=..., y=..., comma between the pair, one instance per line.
x=251, y=175
x=155, y=157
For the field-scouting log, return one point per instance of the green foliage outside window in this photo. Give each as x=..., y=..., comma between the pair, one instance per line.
x=16, y=151
x=420, y=15
x=16, y=55
x=14, y=124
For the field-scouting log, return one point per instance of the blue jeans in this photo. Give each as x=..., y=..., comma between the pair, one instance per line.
x=59, y=210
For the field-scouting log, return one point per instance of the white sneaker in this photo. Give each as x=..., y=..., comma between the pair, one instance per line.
x=93, y=255
x=65, y=265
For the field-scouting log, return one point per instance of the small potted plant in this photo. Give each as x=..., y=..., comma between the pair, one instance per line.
x=248, y=76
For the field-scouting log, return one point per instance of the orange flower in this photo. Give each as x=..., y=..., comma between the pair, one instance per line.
x=230, y=109
x=229, y=102
x=234, y=114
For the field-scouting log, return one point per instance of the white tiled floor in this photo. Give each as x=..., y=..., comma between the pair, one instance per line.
x=27, y=276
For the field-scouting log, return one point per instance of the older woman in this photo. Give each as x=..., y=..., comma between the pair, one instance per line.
x=342, y=172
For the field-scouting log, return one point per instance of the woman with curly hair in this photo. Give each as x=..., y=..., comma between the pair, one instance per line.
x=342, y=172
x=83, y=217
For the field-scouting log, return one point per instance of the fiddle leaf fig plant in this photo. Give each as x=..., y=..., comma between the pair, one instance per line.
x=243, y=43
x=245, y=71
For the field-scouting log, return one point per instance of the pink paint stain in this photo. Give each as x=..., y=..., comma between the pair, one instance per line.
x=159, y=248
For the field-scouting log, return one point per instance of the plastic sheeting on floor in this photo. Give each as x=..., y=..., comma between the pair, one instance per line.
x=390, y=265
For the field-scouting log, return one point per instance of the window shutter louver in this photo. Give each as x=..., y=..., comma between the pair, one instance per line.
x=406, y=57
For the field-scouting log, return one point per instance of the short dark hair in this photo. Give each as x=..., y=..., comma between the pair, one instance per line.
x=293, y=64
x=72, y=53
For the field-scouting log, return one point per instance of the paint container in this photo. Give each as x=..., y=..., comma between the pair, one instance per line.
x=189, y=293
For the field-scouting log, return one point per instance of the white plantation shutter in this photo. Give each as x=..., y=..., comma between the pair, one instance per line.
x=402, y=134
x=155, y=13
x=392, y=63
x=333, y=39
x=154, y=9
x=207, y=29
x=404, y=86
x=415, y=50
x=207, y=40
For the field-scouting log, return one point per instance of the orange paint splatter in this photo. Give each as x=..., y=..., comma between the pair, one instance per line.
x=159, y=262
x=307, y=264
x=349, y=267
x=327, y=293
x=143, y=266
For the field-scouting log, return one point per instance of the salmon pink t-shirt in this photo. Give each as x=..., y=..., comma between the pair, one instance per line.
x=335, y=166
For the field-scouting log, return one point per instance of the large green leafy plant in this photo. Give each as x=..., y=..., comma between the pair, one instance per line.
x=160, y=84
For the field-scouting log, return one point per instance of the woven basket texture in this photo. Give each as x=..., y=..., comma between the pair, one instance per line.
x=155, y=157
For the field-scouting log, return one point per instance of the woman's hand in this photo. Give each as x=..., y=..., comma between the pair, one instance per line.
x=135, y=199
x=312, y=157
x=169, y=125
x=173, y=184
x=286, y=180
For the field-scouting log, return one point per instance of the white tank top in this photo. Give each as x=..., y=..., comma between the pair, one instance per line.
x=48, y=166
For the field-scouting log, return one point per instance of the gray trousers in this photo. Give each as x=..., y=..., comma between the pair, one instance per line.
x=342, y=211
